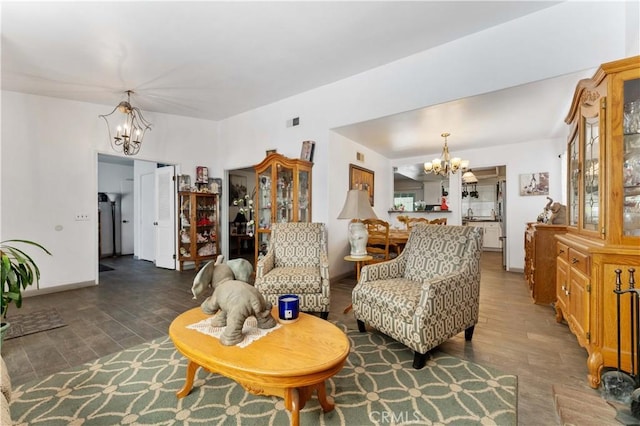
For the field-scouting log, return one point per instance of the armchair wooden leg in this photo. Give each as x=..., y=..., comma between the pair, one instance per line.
x=468, y=333
x=419, y=360
x=361, y=326
x=324, y=315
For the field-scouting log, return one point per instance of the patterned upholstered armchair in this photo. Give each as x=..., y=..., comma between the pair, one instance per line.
x=296, y=263
x=426, y=295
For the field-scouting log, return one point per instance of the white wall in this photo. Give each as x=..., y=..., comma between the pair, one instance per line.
x=48, y=160
x=543, y=45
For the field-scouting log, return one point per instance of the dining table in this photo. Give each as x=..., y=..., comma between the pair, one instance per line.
x=398, y=238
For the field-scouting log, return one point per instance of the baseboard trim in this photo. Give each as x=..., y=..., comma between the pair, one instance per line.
x=57, y=289
x=340, y=276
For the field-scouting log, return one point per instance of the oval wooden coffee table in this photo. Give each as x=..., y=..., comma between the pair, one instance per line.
x=291, y=362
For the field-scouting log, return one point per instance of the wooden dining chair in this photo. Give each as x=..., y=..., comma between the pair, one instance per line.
x=439, y=221
x=378, y=242
x=410, y=222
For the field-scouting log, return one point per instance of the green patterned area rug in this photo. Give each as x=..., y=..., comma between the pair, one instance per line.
x=376, y=386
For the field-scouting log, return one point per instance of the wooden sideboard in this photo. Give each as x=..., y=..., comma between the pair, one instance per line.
x=540, y=260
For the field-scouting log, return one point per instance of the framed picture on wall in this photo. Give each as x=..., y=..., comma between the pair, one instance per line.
x=534, y=184
x=202, y=174
x=184, y=183
x=215, y=186
x=361, y=178
x=308, y=148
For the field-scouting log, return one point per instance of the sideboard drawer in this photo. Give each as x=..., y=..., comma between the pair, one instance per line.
x=579, y=261
x=562, y=251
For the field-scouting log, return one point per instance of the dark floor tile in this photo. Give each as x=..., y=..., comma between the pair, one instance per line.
x=137, y=302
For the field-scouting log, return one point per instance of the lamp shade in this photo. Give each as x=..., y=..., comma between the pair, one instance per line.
x=357, y=206
x=469, y=177
x=113, y=196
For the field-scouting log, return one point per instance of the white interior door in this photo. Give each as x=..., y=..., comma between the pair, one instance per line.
x=147, y=247
x=165, y=217
x=126, y=217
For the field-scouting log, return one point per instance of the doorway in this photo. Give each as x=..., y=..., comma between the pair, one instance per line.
x=130, y=212
x=240, y=244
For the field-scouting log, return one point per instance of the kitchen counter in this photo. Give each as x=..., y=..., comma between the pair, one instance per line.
x=478, y=219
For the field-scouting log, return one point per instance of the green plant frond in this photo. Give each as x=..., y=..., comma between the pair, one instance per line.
x=18, y=271
x=26, y=275
x=5, y=267
x=13, y=295
x=18, y=255
x=33, y=243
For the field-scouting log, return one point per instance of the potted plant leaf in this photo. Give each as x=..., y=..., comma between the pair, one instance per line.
x=17, y=271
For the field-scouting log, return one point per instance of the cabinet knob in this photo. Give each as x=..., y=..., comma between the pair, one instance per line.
x=155, y=223
x=567, y=292
x=574, y=260
x=561, y=251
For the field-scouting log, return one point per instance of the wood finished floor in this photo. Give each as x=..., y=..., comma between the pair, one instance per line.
x=136, y=302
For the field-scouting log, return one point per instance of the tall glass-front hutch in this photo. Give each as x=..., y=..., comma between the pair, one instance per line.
x=283, y=194
x=197, y=227
x=603, y=232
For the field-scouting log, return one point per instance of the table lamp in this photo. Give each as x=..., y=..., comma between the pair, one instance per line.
x=357, y=207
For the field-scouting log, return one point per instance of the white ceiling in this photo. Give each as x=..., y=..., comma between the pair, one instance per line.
x=213, y=60
x=533, y=111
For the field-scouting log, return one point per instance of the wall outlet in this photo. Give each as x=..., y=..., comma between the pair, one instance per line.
x=82, y=216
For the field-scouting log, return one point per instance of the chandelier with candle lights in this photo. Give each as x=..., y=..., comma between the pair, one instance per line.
x=129, y=127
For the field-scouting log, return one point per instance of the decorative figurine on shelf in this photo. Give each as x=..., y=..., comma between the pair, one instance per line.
x=558, y=212
x=207, y=250
x=232, y=301
x=443, y=204
x=184, y=222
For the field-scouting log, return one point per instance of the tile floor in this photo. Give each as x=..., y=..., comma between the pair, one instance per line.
x=136, y=302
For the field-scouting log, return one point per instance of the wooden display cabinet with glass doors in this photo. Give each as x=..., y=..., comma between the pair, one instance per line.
x=603, y=232
x=197, y=227
x=283, y=194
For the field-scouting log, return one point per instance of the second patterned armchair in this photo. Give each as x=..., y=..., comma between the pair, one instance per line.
x=426, y=295
x=296, y=262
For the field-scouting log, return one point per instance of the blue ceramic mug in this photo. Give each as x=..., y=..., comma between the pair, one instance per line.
x=288, y=307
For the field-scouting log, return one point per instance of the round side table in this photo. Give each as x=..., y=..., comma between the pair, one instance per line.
x=358, y=261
